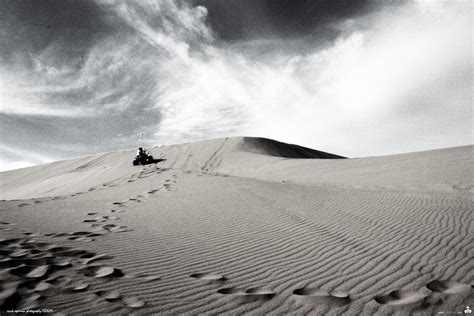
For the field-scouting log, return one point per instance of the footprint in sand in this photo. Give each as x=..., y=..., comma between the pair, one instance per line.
x=133, y=302
x=78, y=286
x=153, y=192
x=101, y=218
x=29, y=271
x=98, y=271
x=81, y=238
x=399, y=297
x=97, y=226
x=109, y=296
x=70, y=252
x=117, y=211
x=5, y=225
x=447, y=287
x=104, y=218
x=231, y=291
x=260, y=291
x=115, y=228
x=30, y=234
x=60, y=281
x=210, y=277
x=116, y=296
x=79, y=235
x=316, y=295
x=146, y=277
x=250, y=294
x=41, y=287
x=96, y=258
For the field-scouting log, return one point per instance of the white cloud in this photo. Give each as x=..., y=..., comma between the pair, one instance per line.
x=6, y=165
x=167, y=25
x=356, y=97
x=24, y=154
x=20, y=106
x=15, y=158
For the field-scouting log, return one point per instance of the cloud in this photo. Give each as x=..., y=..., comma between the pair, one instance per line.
x=366, y=81
x=239, y=20
x=384, y=86
x=14, y=158
x=6, y=165
x=168, y=26
x=19, y=107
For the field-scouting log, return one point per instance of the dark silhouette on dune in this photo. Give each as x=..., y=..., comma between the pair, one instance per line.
x=145, y=158
x=278, y=149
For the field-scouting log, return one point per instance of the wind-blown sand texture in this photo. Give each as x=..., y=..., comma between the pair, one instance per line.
x=240, y=226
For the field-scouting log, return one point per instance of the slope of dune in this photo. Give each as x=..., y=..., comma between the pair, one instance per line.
x=256, y=158
x=274, y=148
x=65, y=177
x=240, y=226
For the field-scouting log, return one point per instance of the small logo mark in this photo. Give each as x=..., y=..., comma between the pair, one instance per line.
x=467, y=310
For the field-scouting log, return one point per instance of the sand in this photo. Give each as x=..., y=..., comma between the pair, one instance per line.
x=240, y=226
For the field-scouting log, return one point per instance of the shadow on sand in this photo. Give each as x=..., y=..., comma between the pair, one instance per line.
x=147, y=161
x=154, y=161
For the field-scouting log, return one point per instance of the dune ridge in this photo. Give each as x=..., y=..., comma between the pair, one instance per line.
x=275, y=148
x=223, y=228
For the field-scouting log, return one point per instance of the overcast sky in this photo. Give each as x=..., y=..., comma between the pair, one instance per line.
x=355, y=78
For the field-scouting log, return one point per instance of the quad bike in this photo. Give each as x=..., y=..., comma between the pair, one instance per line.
x=143, y=159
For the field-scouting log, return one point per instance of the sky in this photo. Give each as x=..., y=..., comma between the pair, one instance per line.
x=354, y=78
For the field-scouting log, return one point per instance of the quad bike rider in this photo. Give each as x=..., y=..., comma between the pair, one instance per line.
x=142, y=157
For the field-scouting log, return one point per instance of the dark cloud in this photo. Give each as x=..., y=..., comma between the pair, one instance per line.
x=67, y=55
x=249, y=19
x=71, y=27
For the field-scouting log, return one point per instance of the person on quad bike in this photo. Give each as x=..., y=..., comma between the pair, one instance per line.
x=142, y=157
x=141, y=152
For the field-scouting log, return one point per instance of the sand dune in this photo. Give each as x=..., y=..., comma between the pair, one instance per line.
x=240, y=226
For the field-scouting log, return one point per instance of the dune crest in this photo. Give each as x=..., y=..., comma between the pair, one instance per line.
x=275, y=148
